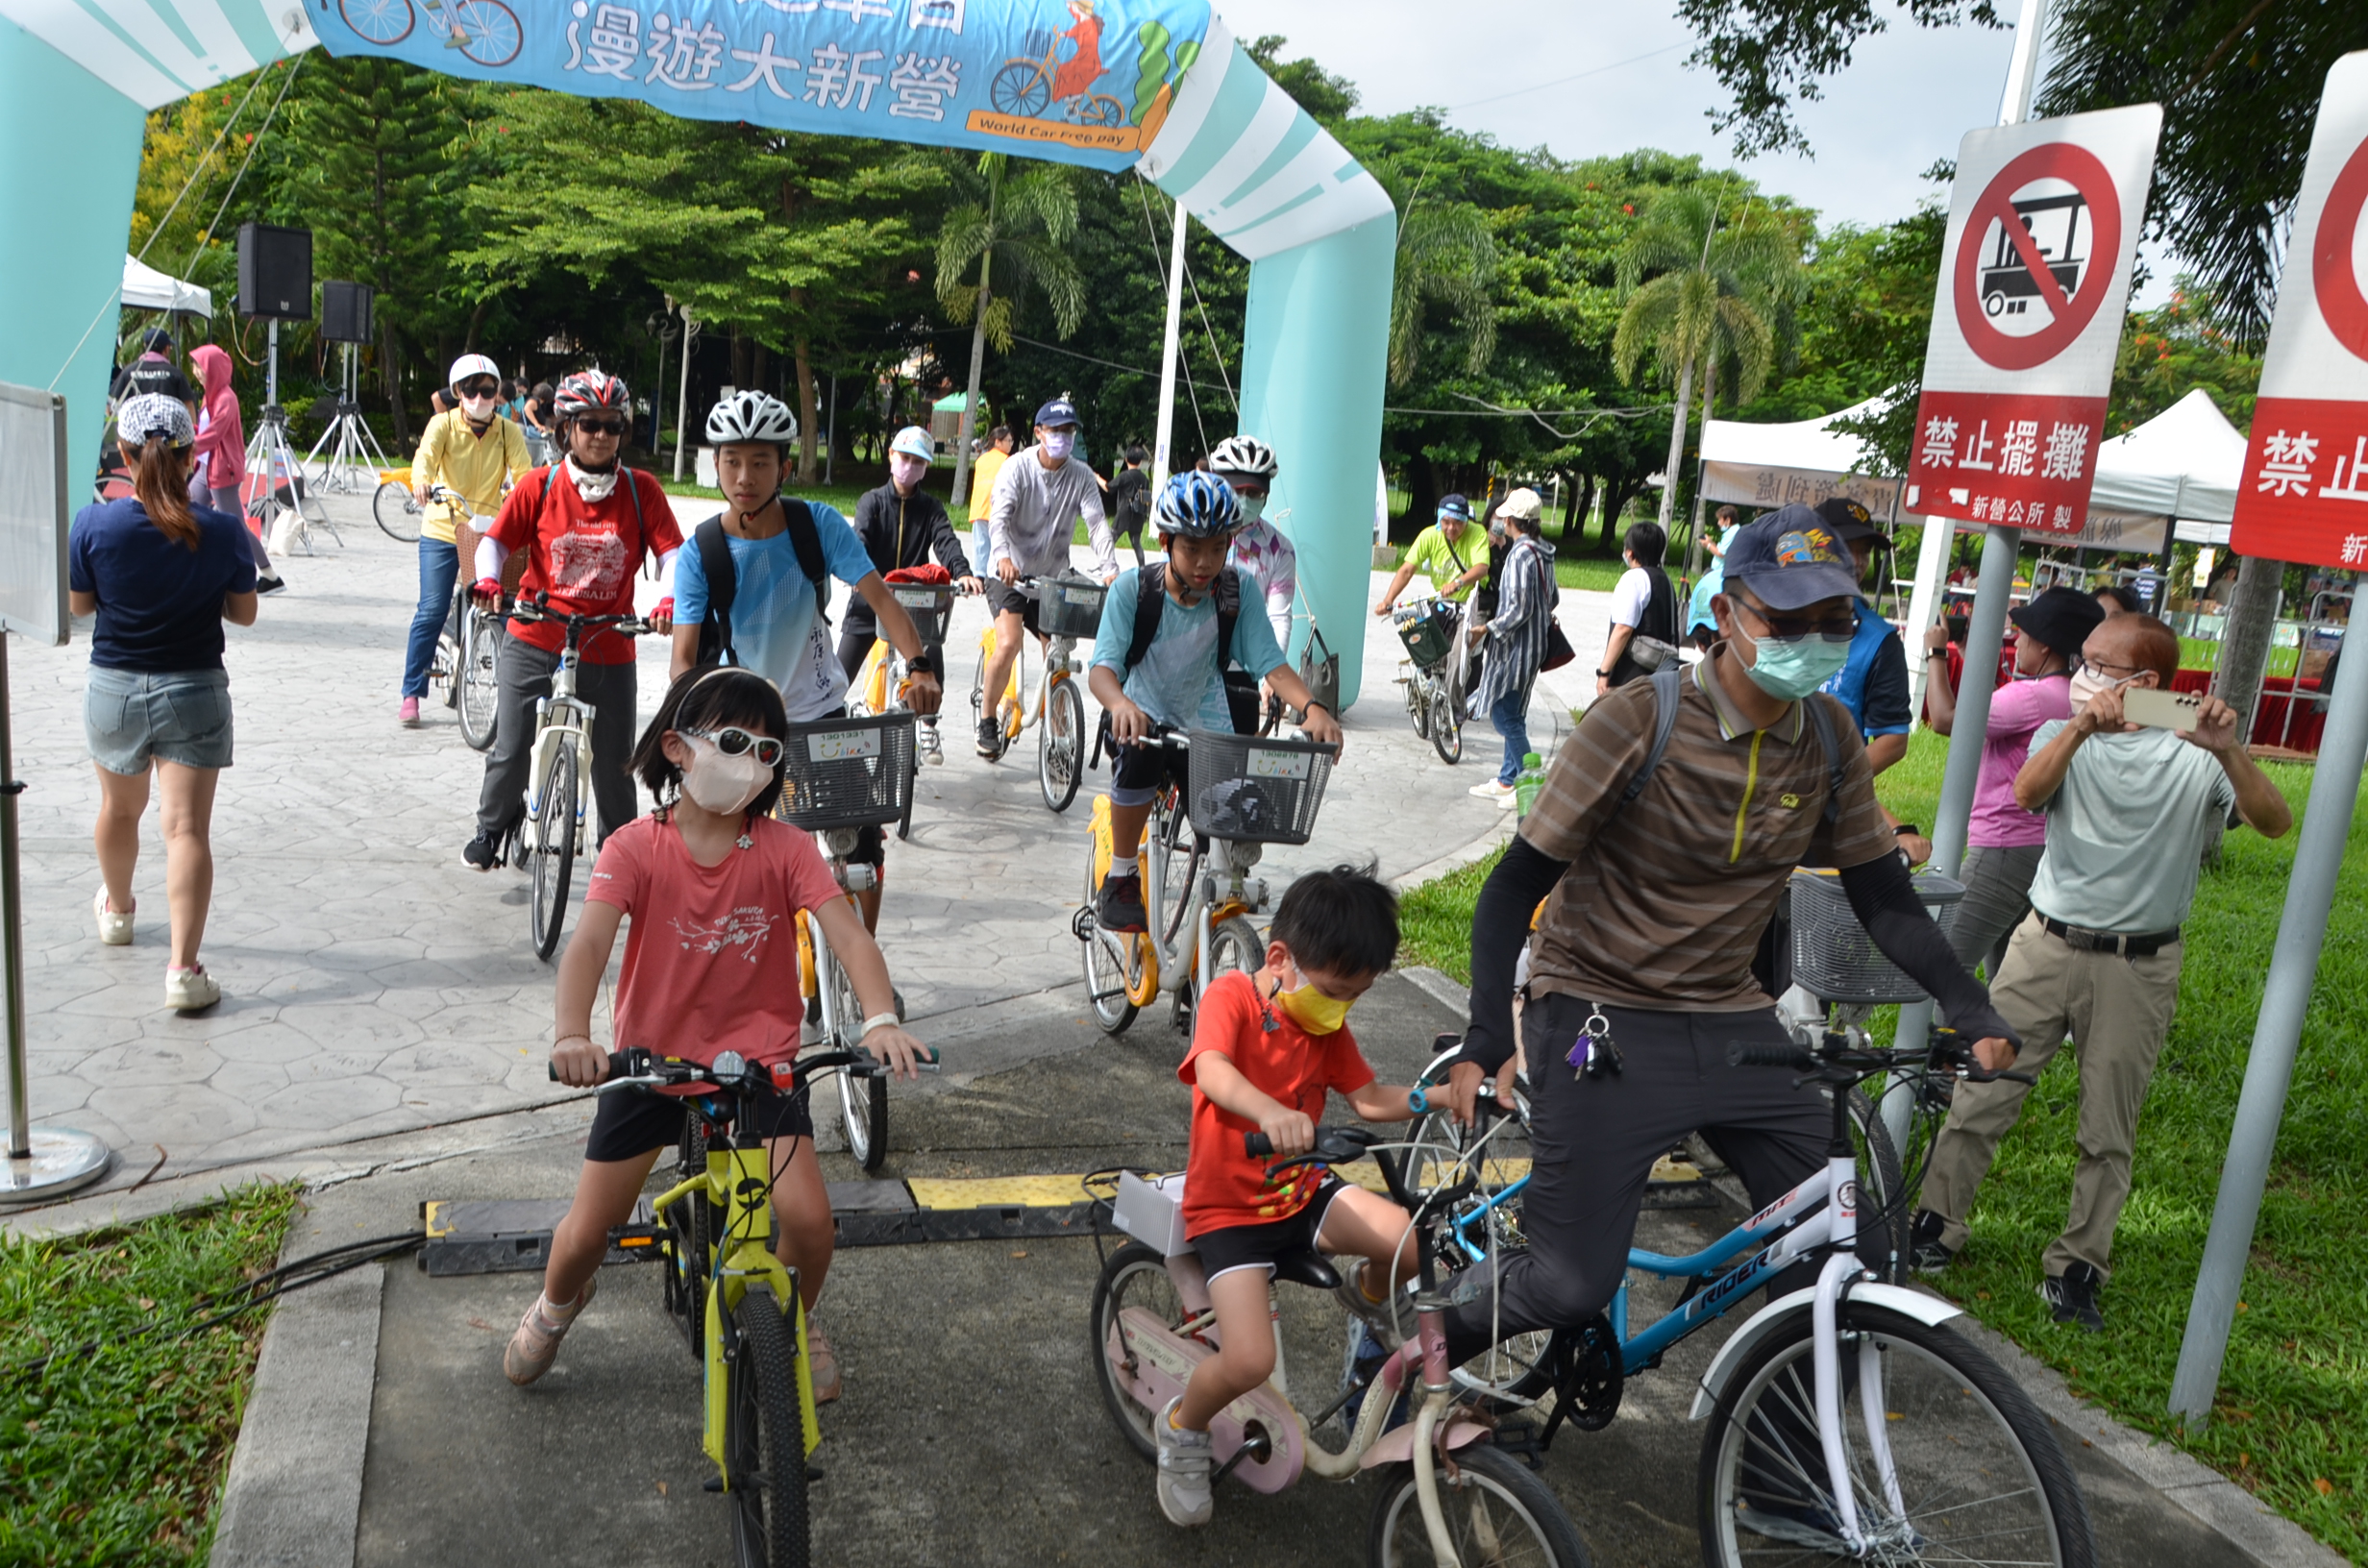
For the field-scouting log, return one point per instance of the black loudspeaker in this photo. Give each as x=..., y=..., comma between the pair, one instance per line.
x=345, y=311
x=274, y=272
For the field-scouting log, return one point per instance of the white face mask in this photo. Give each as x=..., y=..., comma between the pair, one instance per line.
x=1253, y=507
x=479, y=409
x=1059, y=444
x=2087, y=683
x=721, y=784
x=907, y=468
x=589, y=486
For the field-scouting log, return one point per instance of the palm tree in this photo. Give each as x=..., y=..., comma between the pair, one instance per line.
x=1717, y=294
x=1445, y=252
x=1024, y=222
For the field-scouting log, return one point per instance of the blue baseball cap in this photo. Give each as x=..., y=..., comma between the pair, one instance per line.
x=915, y=442
x=1452, y=504
x=1791, y=557
x=1058, y=412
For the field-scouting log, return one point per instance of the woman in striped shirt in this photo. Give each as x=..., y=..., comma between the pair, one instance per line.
x=1517, y=641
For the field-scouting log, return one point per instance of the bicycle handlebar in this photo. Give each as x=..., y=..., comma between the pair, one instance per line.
x=1947, y=1050
x=637, y=1067
x=1334, y=1145
x=539, y=610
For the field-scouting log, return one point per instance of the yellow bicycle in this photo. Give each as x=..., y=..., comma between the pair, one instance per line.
x=1067, y=608
x=737, y=1304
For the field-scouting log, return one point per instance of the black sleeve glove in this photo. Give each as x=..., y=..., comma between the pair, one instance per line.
x=1882, y=896
x=1499, y=926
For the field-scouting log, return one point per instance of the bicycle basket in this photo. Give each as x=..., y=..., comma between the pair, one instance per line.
x=1833, y=958
x=1071, y=608
x=1254, y=791
x=1428, y=631
x=1038, y=41
x=930, y=605
x=846, y=772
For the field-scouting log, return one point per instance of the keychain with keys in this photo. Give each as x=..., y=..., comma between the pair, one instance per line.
x=1593, y=1054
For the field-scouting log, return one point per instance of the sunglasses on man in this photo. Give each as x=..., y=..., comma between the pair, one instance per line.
x=1792, y=628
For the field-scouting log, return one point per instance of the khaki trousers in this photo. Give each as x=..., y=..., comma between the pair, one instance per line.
x=2117, y=1012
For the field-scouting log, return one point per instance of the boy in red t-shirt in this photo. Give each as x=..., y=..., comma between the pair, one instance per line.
x=1266, y=1049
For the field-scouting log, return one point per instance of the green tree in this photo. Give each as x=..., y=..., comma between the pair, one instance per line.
x=2169, y=352
x=1024, y=221
x=1445, y=252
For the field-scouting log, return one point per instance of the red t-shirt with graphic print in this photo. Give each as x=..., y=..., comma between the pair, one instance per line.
x=1223, y=1187
x=710, y=952
x=583, y=554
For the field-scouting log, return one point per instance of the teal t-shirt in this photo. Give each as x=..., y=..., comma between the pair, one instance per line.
x=1179, y=681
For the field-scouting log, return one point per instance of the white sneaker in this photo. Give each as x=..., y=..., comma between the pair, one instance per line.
x=114, y=929
x=1491, y=791
x=1184, y=1494
x=185, y=991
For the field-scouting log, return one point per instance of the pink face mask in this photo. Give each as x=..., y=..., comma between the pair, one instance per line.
x=907, y=468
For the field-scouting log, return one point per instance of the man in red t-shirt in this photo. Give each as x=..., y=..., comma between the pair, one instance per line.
x=586, y=523
x=1266, y=1049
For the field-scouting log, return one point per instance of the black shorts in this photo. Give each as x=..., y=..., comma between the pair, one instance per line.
x=1005, y=598
x=1257, y=1246
x=1139, y=766
x=628, y=1126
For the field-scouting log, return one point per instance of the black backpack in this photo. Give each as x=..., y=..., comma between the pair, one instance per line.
x=1151, y=597
x=715, y=645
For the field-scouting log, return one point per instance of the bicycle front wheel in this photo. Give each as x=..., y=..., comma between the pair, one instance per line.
x=1060, y=745
x=1111, y=958
x=1980, y=1478
x=1495, y=1512
x=555, y=852
x=395, y=508
x=481, y=690
x=764, y=1440
x=863, y=1102
x=690, y=1231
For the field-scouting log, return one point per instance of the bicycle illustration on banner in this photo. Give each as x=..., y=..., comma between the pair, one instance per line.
x=1030, y=84
x=486, y=31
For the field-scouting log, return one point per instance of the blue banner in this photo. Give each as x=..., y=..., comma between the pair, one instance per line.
x=1080, y=81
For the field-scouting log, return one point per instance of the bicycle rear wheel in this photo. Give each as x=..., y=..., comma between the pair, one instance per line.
x=555, y=852
x=1447, y=705
x=1060, y=744
x=1137, y=1276
x=1112, y=960
x=1495, y=1512
x=480, y=691
x=764, y=1439
x=396, y=508
x=1979, y=1472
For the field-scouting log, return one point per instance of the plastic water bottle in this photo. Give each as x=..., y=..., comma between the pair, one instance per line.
x=1525, y=787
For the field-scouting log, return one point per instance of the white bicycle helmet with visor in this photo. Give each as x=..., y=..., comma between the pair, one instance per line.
x=468, y=368
x=751, y=417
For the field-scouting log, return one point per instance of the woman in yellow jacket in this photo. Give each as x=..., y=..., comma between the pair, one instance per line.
x=472, y=452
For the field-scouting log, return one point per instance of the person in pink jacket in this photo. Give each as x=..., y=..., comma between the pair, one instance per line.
x=218, y=472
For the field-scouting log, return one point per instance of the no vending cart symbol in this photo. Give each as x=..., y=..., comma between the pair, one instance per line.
x=2335, y=256
x=2038, y=256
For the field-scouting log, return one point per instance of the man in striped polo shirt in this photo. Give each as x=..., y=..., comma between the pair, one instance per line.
x=1654, y=924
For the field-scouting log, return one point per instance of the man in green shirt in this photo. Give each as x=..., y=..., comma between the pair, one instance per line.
x=1450, y=553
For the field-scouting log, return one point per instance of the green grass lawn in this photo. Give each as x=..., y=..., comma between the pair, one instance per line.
x=2288, y=1423
x=118, y=1456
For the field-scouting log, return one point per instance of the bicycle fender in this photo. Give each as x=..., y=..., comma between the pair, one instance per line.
x=1897, y=1298
x=1164, y=1363
x=1397, y=1446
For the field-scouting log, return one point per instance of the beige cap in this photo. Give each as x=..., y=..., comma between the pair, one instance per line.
x=1524, y=504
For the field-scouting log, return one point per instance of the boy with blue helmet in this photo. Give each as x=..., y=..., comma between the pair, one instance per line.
x=1176, y=679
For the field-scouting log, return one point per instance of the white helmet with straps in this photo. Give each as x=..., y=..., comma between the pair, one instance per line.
x=1244, y=456
x=751, y=416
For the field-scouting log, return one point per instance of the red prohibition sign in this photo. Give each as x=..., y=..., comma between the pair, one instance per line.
x=2332, y=275
x=2079, y=168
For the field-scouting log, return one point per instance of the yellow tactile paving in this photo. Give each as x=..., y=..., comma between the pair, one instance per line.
x=1059, y=1192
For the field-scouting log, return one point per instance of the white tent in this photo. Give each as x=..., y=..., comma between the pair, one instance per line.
x=144, y=288
x=2184, y=463
x=1772, y=465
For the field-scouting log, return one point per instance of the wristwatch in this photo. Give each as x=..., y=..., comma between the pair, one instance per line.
x=1904, y=830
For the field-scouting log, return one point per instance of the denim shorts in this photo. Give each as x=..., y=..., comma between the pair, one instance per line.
x=180, y=716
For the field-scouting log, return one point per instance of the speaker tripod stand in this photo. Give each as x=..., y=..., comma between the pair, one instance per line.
x=356, y=459
x=282, y=477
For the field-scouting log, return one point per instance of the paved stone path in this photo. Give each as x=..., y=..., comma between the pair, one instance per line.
x=374, y=984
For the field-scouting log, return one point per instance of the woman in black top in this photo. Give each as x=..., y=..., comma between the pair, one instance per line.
x=1643, y=604
x=160, y=576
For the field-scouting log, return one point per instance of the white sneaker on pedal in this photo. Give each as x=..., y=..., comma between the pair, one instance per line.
x=1184, y=1494
x=932, y=746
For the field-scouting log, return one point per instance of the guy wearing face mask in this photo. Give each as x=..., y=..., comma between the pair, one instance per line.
x=900, y=526
x=473, y=452
x=1268, y=1050
x=2128, y=810
x=1657, y=908
x=1039, y=495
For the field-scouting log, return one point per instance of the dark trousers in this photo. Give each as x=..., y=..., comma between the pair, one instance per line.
x=855, y=640
x=523, y=674
x=1594, y=1140
x=1129, y=531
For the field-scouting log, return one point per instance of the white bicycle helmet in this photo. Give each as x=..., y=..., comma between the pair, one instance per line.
x=751, y=416
x=1245, y=456
x=472, y=364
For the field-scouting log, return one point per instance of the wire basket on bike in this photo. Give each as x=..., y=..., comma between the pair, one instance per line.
x=1071, y=608
x=1833, y=958
x=846, y=772
x=1428, y=629
x=1255, y=791
x=930, y=605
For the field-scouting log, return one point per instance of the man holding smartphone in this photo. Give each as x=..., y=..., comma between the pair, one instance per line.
x=2128, y=806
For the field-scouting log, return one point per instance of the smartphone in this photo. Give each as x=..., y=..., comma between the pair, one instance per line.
x=2159, y=709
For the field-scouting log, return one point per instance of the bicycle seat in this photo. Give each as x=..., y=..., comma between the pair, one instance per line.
x=1305, y=1265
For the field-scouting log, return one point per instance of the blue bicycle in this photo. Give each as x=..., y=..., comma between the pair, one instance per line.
x=1846, y=1420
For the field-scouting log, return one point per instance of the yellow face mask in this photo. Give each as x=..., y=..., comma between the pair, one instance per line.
x=1309, y=1008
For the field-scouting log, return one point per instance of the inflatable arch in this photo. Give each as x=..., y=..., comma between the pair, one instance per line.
x=1156, y=85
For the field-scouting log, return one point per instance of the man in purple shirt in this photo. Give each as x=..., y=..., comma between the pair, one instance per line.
x=2002, y=841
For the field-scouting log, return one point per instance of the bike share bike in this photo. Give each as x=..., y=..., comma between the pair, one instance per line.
x=1847, y=1421
x=736, y=1304
x=1068, y=607
x=1436, y=670
x=1447, y=1495
x=838, y=776
x=883, y=682
x=466, y=647
x=558, y=787
x=1241, y=793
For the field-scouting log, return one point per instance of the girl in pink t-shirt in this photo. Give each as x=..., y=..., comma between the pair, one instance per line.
x=712, y=884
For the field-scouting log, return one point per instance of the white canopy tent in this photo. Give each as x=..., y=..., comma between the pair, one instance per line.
x=2183, y=464
x=144, y=288
x=1805, y=461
